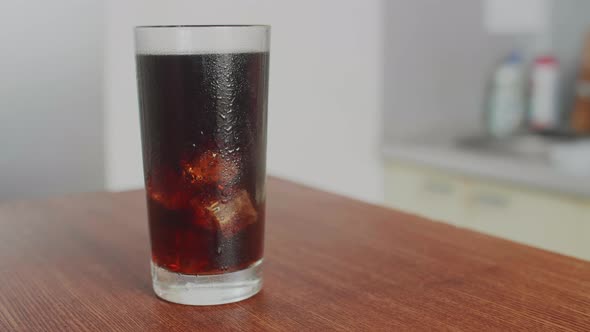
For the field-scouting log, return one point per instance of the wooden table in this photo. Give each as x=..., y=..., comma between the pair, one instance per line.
x=80, y=263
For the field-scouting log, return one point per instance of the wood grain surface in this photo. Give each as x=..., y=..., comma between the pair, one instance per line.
x=81, y=263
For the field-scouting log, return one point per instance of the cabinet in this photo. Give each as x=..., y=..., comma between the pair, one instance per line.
x=551, y=221
x=428, y=193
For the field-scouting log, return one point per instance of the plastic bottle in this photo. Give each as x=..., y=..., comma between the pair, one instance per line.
x=544, y=114
x=507, y=108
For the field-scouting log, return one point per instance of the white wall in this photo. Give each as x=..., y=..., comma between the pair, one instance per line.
x=439, y=58
x=325, y=87
x=50, y=97
x=569, y=24
x=441, y=55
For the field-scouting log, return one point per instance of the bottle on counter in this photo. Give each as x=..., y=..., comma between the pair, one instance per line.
x=506, y=109
x=580, y=121
x=580, y=118
x=545, y=115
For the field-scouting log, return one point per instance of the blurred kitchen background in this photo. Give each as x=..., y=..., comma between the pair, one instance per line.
x=471, y=112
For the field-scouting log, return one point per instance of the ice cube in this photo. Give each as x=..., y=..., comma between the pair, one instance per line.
x=234, y=215
x=211, y=167
x=201, y=215
x=165, y=187
x=170, y=201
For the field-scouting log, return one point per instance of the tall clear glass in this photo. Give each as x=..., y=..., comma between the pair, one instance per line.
x=203, y=103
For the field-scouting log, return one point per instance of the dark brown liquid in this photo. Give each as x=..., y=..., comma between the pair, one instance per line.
x=203, y=124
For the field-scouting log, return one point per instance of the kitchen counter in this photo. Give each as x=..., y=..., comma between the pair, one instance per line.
x=536, y=173
x=81, y=262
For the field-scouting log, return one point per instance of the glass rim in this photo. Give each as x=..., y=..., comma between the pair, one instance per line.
x=179, y=26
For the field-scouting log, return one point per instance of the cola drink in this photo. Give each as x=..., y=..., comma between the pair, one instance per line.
x=203, y=127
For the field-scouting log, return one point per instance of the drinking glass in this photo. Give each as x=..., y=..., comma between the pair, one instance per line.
x=203, y=110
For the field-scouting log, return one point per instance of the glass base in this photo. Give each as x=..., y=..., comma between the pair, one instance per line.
x=207, y=289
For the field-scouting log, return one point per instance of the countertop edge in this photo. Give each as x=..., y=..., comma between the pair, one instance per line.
x=470, y=163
